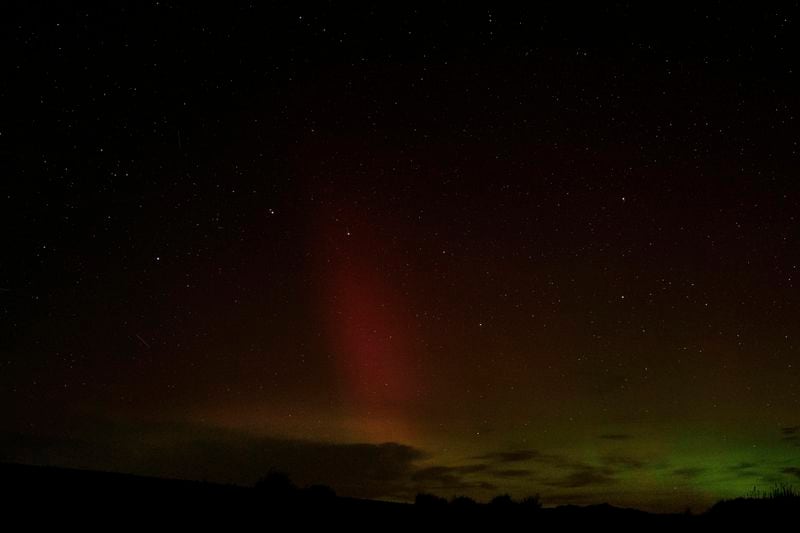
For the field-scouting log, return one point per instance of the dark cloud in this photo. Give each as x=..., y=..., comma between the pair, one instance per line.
x=689, y=472
x=437, y=472
x=615, y=436
x=519, y=456
x=471, y=469
x=791, y=434
x=575, y=474
x=623, y=462
x=584, y=476
x=511, y=473
x=510, y=456
x=791, y=471
x=434, y=473
x=744, y=470
x=447, y=479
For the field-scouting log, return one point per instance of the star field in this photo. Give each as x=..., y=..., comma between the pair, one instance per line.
x=406, y=249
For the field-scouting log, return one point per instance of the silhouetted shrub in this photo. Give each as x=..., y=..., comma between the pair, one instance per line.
x=276, y=485
x=503, y=500
x=463, y=502
x=531, y=502
x=424, y=499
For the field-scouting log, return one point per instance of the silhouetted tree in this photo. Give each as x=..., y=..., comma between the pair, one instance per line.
x=426, y=500
x=531, y=502
x=463, y=502
x=276, y=485
x=503, y=500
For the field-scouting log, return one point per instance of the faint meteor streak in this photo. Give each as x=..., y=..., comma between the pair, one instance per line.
x=143, y=341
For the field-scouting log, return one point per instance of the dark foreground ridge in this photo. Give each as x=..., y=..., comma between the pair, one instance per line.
x=52, y=494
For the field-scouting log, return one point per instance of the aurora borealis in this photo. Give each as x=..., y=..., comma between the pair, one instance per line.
x=466, y=252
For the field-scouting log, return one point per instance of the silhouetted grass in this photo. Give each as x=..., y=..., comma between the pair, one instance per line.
x=777, y=492
x=779, y=502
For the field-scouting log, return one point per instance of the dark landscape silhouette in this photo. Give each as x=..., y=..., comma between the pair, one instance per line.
x=105, y=496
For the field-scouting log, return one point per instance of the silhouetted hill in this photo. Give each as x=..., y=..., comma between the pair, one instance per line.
x=56, y=494
x=53, y=493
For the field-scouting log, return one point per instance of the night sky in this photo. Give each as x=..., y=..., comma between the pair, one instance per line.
x=456, y=250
